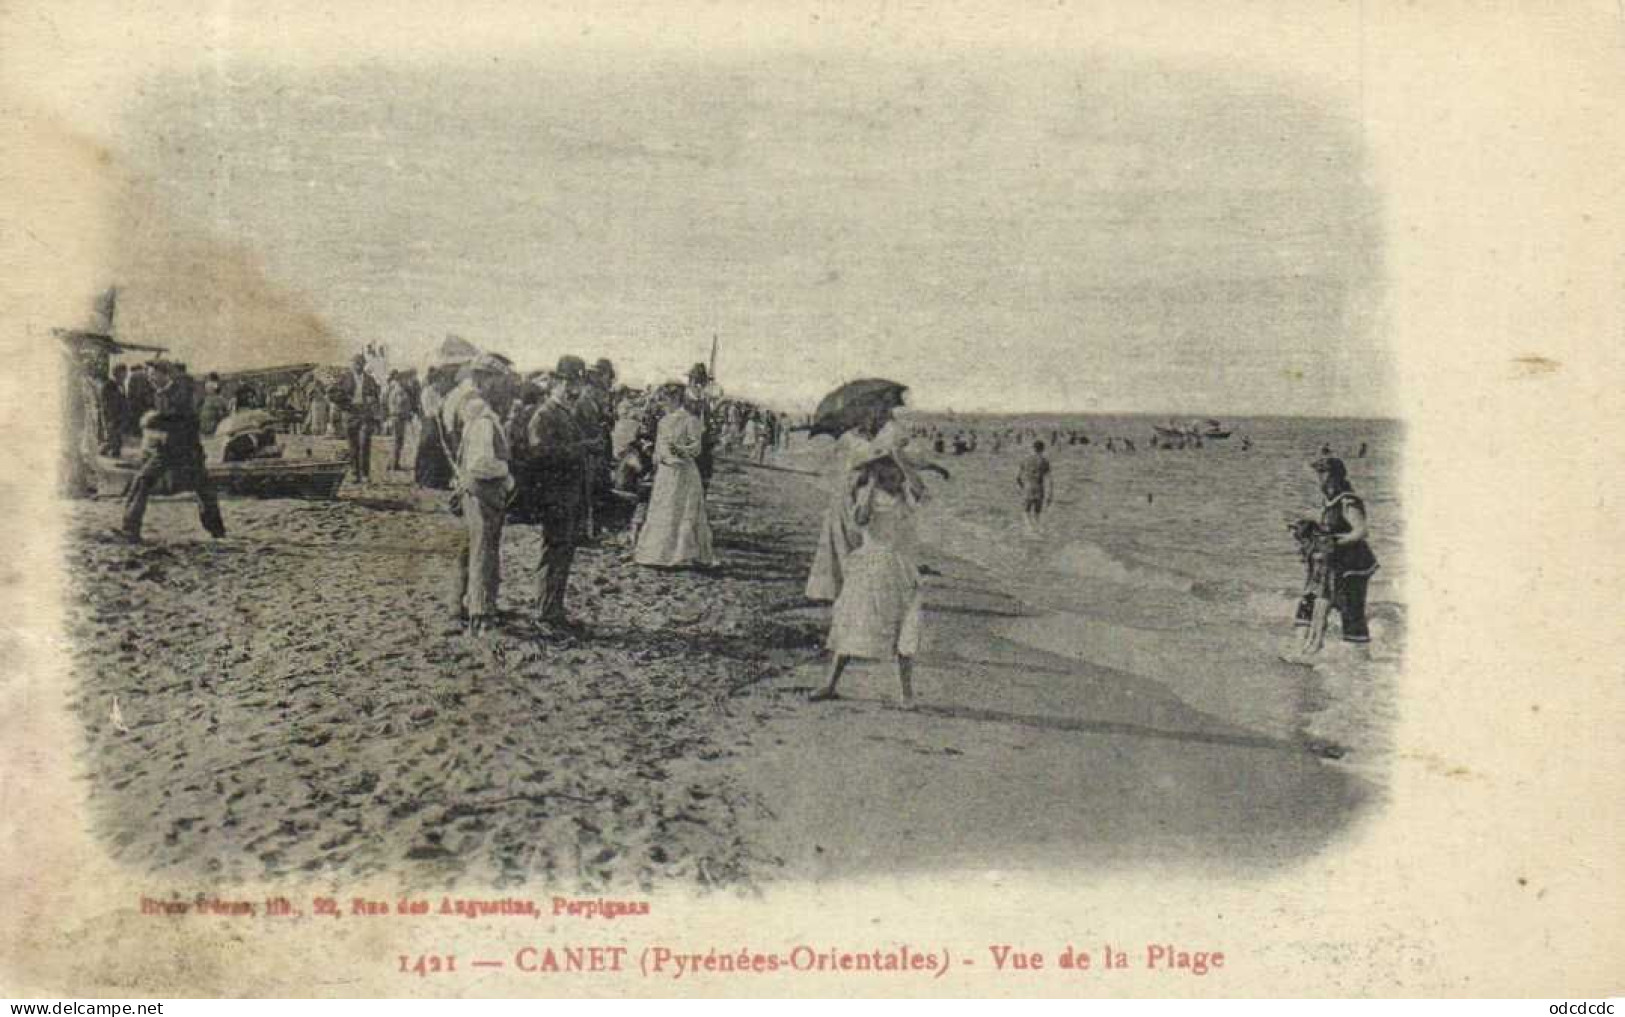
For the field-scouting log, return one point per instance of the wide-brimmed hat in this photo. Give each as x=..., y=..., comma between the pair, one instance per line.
x=488, y=363
x=604, y=368
x=868, y=453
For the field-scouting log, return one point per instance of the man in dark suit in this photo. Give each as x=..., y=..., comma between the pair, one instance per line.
x=172, y=451
x=357, y=397
x=557, y=450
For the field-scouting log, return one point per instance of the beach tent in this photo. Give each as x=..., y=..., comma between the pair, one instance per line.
x=453, y=351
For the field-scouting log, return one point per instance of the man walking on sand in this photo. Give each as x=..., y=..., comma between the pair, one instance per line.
x=557, y=452
x=172, y=450
x=1034, y=481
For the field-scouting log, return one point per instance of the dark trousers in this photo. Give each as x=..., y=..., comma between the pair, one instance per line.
x=112, y=442
x=154, y=464
x=559, y=521
x=359, y=435
x=1348, y=597
x=400, y=441
x=586, y=521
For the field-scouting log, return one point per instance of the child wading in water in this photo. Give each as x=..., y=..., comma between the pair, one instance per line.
x=877, y=615
x=1314, y=607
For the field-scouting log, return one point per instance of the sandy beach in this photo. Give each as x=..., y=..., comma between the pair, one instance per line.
x=294, y=701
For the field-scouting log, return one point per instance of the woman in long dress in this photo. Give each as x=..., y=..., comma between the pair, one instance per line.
x=676, y=531
x=839, y=534
x=877, y=615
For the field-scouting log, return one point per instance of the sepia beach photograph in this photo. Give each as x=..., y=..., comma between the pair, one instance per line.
x=1113, y=291
x=622, y=465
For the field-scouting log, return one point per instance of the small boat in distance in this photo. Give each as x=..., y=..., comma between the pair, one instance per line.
x=1195, y=429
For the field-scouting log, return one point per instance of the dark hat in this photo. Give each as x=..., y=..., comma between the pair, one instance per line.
x=698, y=375
x=570, y=368
x=604, y=368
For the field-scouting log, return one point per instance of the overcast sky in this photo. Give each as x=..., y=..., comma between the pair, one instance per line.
x=1002, y=230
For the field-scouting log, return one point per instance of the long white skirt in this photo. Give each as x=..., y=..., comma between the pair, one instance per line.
x=676, y=531
x=877, y=614
x=836, y=538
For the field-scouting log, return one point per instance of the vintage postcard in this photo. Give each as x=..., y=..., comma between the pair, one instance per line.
x=812, y=499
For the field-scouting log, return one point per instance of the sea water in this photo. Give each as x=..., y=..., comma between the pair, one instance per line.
x=1172, y=564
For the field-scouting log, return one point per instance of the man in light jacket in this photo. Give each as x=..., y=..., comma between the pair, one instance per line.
x=484, y=483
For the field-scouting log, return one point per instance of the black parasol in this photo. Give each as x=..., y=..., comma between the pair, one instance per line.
x=855, y=404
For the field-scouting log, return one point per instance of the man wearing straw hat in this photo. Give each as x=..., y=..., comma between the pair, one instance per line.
x=484, y=483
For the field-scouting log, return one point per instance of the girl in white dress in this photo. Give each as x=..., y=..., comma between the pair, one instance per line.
x=877, y=614
x=676, y=531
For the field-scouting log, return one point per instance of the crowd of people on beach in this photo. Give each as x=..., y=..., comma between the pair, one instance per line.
x=569, y=450
x=585, y=458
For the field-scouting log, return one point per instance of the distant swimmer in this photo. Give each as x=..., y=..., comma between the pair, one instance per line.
x=1036, y=487
x=1360, y=454
x=1246, y=443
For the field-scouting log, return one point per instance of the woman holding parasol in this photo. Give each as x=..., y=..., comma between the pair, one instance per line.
x=877, y=615
x=863, y=413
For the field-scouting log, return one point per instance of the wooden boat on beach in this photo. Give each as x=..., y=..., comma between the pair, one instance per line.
x=251, y=478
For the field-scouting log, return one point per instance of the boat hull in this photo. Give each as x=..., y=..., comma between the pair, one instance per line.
x=268, y=478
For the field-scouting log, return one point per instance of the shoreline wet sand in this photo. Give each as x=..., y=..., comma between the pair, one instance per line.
x=294, y=702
